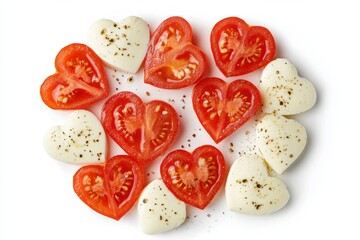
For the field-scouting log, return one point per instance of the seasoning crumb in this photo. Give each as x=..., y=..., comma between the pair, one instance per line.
x=130, y=79
x=147, y=93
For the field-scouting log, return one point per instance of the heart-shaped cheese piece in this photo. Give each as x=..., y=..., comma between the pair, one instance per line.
x=249, y=189
x=121, y=45
x=80, y=140
x=280, y=140
x=283, y=91
x=159, y=210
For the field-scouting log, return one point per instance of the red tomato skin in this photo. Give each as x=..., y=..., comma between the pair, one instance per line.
x=229, y=68
x=107, y=120
x=219, y=129
x=198, y=198
x=86, y=93
x=156, y=59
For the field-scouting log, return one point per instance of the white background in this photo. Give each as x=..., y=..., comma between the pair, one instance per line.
x=320, y=37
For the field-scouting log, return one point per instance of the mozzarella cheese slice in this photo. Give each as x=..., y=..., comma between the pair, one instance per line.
x=123, y=45
x=249, y=189
x=159, y=210
x=80, y=140
x=280, y=141
x=283, y=91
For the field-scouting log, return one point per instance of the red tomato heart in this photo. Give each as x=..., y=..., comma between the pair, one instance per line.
x=239, y=48
x=80, y=79
x=144, y=131
x=172, y=60
x=195, y=177
x=222, y=108
x=112, y=189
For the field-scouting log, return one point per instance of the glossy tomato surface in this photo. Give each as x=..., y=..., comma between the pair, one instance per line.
x=172, y=60
x=239, y=48
x=110, y=190
x=89, y=185
x=80, y=79
x=195, y=177
x=143, y=130
x=224, y=107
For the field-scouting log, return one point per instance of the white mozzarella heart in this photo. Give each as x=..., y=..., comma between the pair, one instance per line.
x=280, y=140
x=283, y=91
x=250, y=190
x=121, y=45
x=159, y=210
x=80, y=140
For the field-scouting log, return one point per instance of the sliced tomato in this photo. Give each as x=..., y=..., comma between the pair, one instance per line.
x=89, y=185
x=239, y=48
x=195, y=177
x=172, y=60
x=143, y=130
x=110, y=190
x=222, y=108
x=80, y=79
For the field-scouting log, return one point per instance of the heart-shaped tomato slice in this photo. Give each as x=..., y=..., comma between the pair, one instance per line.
x=142, y=130
x=80, y=79
x=172, y=60
x=195, y=177
x=239, y=48
x=112, y=189
x=222, y=108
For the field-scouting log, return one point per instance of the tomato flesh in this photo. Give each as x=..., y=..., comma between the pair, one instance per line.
x=222, y=108
x=239, y=48
x=80, y=79
x=110, y=190
x=172, y=60
x=89, y=186
x=144, y=131
x=194, y=177
x=126, y=179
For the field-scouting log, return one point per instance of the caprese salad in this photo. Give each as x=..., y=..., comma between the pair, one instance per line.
x=145, y=130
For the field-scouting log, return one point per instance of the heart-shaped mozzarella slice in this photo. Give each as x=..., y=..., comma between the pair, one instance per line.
x=159, y=210
x=121, y=45
x=283, y=91
x=250, y=190
x=280, y=140
x=80, y=140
